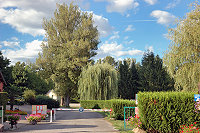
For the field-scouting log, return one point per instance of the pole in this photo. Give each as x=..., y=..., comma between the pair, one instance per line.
x=2, y=115
x=51, y=116
x=54, y=114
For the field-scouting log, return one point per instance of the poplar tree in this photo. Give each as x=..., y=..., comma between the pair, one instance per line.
x=98, y=82
x=70, y=42
x=182, y=58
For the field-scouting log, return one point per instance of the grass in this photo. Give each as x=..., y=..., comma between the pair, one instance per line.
x=118, y=124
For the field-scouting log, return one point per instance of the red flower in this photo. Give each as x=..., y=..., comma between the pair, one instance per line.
x=195, y=122
x=191, y=124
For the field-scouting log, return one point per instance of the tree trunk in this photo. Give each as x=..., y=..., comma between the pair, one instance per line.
x=67, y=100
x=11, y=103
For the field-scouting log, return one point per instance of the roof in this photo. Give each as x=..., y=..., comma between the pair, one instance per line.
x=2, y=78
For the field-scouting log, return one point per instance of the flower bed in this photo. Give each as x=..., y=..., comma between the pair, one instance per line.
x=35, y=118
x=193, y=128
x=9, y=112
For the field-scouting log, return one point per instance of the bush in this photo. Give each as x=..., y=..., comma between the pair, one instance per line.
x=117, y=106
x=29, y=96
x=45, y=100
x=166, y=111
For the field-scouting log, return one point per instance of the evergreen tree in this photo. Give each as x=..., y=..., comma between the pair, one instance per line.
x=98, y=82
x=153, y=77
x=71, y=41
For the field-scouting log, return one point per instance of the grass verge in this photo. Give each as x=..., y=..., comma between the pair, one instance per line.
x=117, y=124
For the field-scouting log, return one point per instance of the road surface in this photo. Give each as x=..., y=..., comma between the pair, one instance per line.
x=70, y=122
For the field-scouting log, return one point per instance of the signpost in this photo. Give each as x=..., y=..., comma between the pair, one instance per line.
x=196, y=97
x=1, y=114
x=39, y=109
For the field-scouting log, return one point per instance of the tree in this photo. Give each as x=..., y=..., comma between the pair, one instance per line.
x=110, y=60
x=4, y=62
x=182, y=58
x=123, y=80
x=153, y=77
x=128, y=81
x=98, y=82
x=71, y=41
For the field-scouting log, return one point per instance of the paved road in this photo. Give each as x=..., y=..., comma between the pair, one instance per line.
x=70, y=122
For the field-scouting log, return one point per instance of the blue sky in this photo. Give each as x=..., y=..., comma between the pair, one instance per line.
x=127, y=27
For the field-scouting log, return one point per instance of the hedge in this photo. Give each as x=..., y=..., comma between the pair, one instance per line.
x=117, y=106
x=45, y=100
x=3, y=100
x=166, y=111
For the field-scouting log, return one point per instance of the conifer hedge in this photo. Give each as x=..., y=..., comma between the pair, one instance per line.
x=166, y=111
x=117, y=106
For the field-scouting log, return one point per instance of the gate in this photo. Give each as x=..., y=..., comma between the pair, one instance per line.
x=128, y=112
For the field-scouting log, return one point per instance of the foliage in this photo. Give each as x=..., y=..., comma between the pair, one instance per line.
x=98, y=82
x=110, y=60
x=117, y=106
x=71, y=41
x=15, y=117
x=45, y=100
x=29, y=96
x=153, y=76
x=134, y=122
x=8, y=112
x=3, y=100
x=166, y=111
x=4, y=62
x=191, y=128
x=128, y=81
x=182, y=57
x=33, y=117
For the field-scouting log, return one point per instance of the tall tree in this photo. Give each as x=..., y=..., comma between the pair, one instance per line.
x=110, y=60
x=123, y=80
x=98, y=82
x=182, y=58
x=153, y=77
x=71, y=41
x=4, y=62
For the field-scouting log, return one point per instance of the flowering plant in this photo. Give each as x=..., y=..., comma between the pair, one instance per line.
x=16, y=112
x=134, y=122
x=197, y=106
x=33, y=117
x=189, y=129
x=15, y=117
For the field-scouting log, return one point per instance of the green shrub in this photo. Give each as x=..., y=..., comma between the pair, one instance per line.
x=117, y=106
x=45, y=100
x=29, y=96
x=166, y=111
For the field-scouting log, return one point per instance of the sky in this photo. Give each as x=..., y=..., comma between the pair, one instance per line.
x=127, y=28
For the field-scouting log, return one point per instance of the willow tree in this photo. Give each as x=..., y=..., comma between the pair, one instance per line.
x=98, y=82
x=183, y=56
x=70, y=42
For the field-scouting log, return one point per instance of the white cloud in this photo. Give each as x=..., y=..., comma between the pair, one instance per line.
x=173, y=4
x=151, y=2
x=129, y=42
x=103, y=25
x=10, y=43
x=116, y=50
x=129, y=28
x=30, y=52
x=150, y=48
x=27, y=15
x=14, y=39
x=126, y=37
x=120, y=6
x=115, y=36
x=163, y=17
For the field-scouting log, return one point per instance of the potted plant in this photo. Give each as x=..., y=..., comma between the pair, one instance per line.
x=33, y=118
x=13, y=120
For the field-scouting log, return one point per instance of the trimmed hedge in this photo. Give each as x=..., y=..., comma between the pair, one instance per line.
x=166, y=111
x=3, y=100
x=117, y=106
x=45, y=100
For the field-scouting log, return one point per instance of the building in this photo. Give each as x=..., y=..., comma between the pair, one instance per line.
x=2, y=82
x=53, y=95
